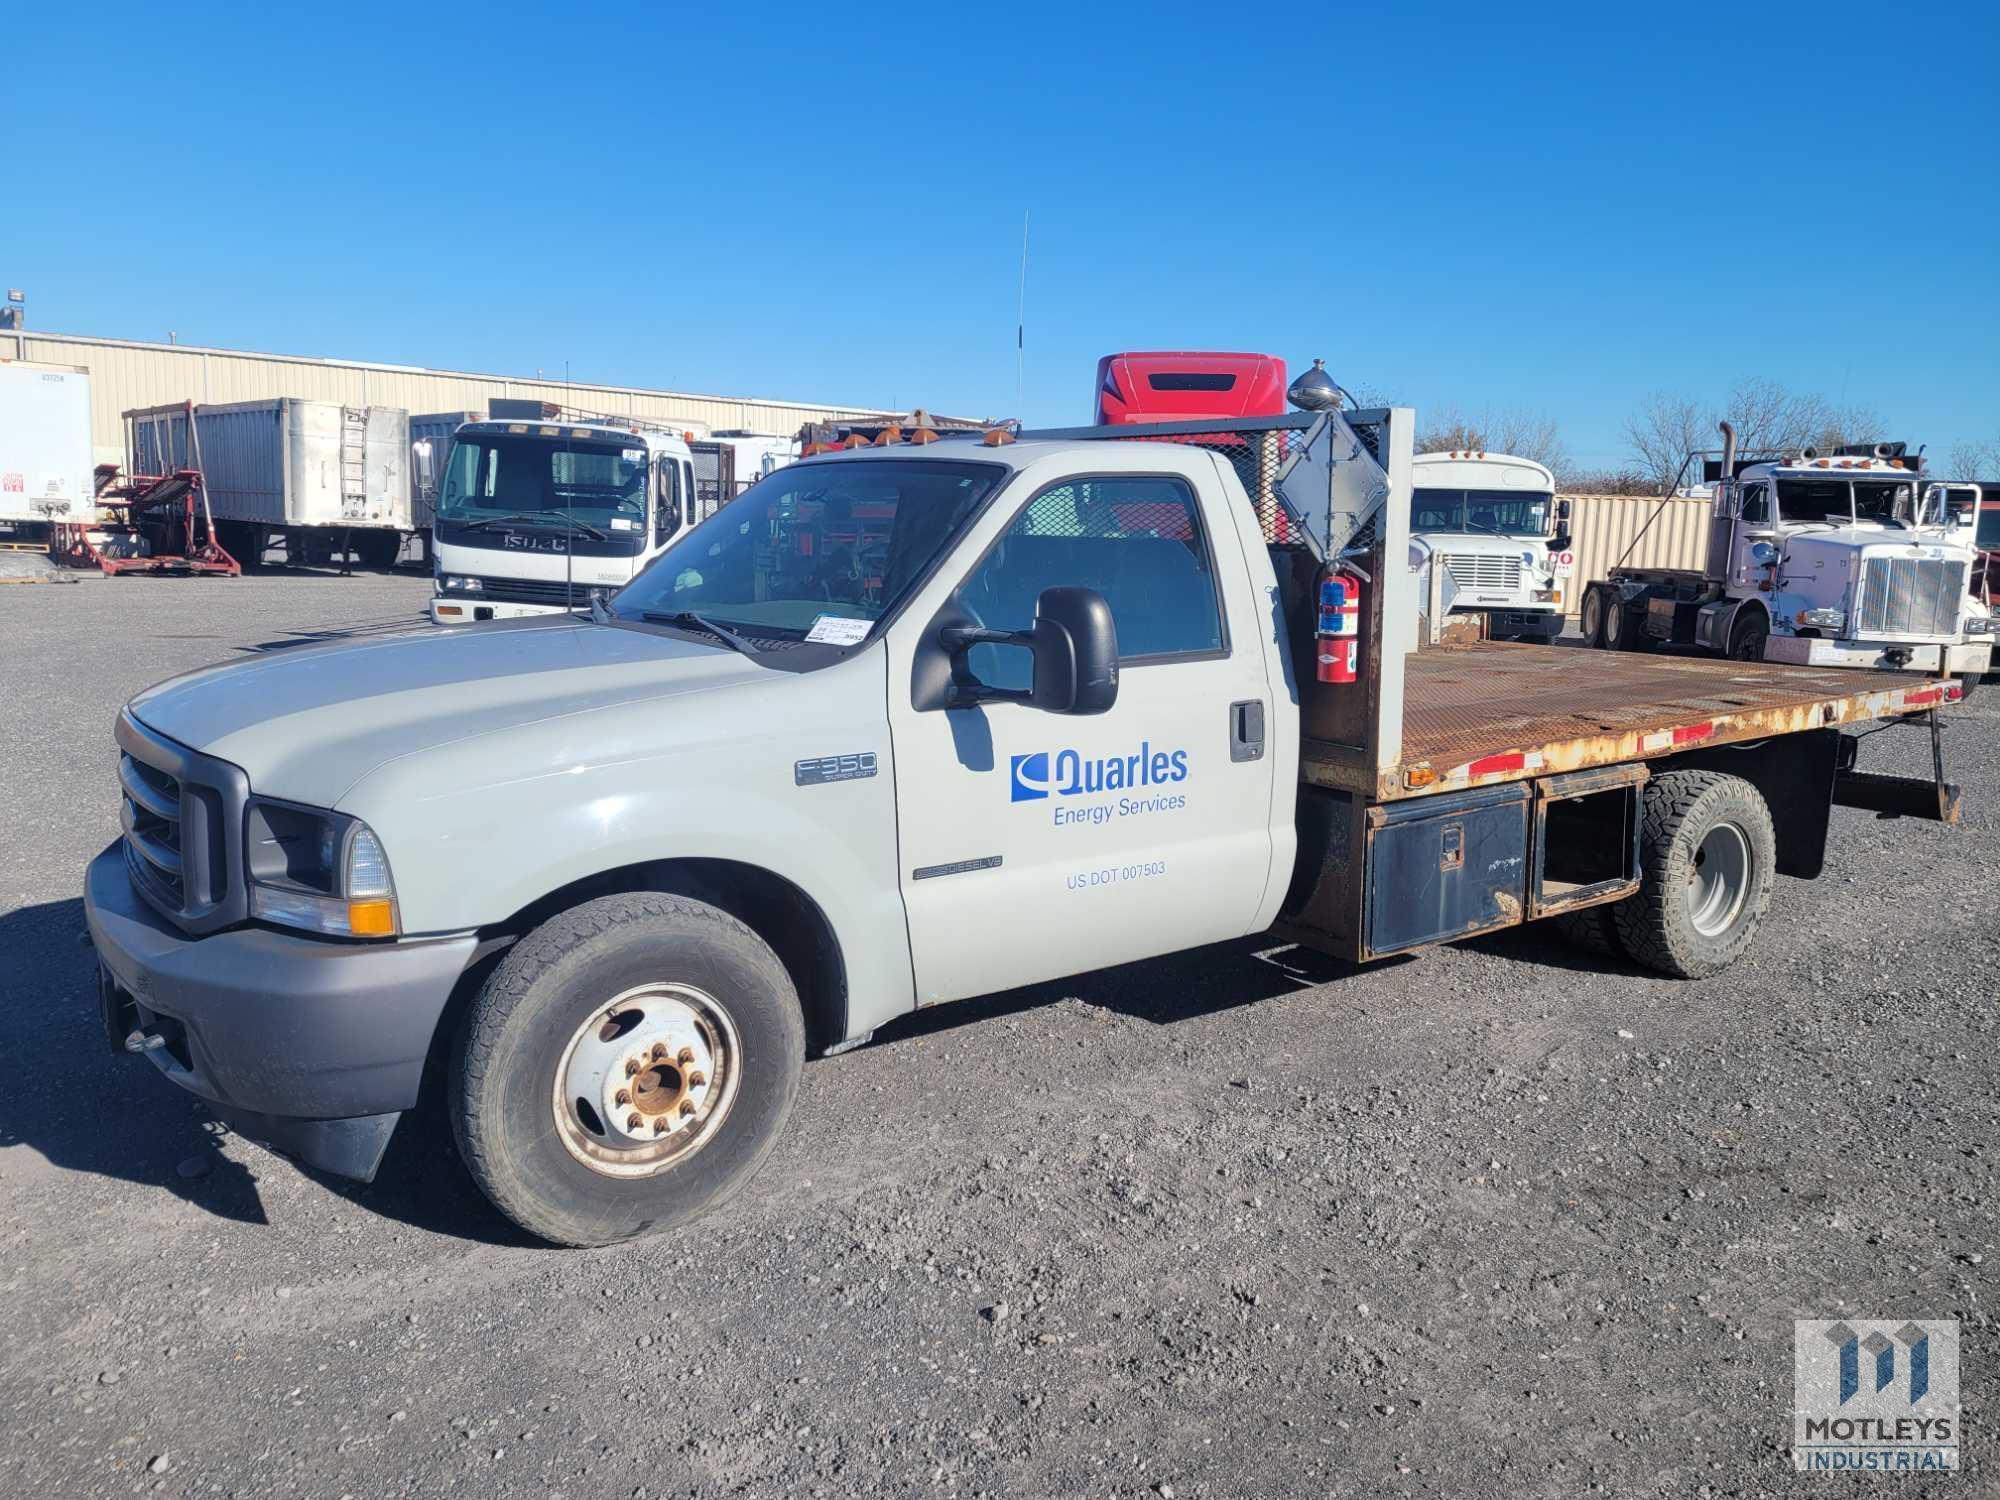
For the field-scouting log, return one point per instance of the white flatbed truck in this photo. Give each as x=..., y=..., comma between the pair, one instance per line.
x=903, y=724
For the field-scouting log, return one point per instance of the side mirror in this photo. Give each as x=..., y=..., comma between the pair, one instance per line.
x=426, y=469
x=1561, y=540
x=1076, y=652
x=1562, y=510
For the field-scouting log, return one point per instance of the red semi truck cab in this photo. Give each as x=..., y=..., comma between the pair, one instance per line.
x=1181, y=385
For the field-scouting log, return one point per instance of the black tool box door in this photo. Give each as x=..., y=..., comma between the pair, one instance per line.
x=1446, y=867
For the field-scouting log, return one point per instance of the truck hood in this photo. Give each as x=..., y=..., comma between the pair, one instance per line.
x=1883, y=540
x=308, y=722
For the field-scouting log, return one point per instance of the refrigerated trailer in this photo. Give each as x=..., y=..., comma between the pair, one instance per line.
x=314, y=477
x=907, y=723
x=45, y=459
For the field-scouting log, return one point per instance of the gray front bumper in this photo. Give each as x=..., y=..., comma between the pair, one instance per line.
x=310, y=1045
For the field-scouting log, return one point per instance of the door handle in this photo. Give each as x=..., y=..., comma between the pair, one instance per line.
x=1246, y=730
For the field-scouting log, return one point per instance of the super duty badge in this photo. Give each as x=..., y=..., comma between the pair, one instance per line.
x=824, y=768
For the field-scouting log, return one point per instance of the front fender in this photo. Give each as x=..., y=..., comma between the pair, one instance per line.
x=480, y=829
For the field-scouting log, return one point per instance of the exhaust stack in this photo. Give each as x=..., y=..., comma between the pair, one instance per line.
x=1728, y=450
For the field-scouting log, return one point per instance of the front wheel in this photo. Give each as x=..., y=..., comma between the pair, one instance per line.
x=1748, y=635
x=626, y=1068
x=1707, y=851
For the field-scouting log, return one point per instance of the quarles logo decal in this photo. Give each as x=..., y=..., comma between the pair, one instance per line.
x=1069, y=773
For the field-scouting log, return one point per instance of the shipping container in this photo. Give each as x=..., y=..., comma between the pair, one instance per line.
x=285, y=463
x=45, y=465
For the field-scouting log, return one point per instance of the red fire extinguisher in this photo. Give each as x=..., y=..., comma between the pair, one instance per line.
x=1337, y=641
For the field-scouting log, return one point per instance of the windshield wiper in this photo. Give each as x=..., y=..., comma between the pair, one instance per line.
x=689, y=619
x=538, y=518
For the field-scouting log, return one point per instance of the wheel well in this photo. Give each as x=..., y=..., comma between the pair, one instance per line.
x=769, y=905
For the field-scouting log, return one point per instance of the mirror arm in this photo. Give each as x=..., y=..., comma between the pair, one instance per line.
x=958, y=639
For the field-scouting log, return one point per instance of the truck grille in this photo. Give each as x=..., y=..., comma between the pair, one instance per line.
x=183, y=816
x=151, y=815
x=1909, y=596
x=1482, y=574
x=533, y=591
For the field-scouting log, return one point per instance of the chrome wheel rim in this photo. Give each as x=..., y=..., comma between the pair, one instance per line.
x=1718, y=879
x=647, y=1079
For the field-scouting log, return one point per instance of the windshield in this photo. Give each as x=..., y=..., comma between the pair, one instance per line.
x=537, y=480
x=1829, y=500
x=1987, y=537
x=1510, y=512
x=807, y=552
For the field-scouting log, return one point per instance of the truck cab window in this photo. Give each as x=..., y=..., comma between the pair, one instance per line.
x=1756, y=505
x=1138, y=541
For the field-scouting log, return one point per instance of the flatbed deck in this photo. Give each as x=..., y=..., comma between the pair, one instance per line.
x=1491, y=712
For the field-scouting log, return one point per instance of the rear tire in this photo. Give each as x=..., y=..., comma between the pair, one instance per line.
x=1593, y=929
x=1621, y=627
x=1707, y=851
x=1590, y=616
x=696, y=997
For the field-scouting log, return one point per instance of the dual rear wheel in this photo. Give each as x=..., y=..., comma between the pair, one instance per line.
x=1707, y=860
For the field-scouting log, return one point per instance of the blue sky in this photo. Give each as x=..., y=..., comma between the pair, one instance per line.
x=1558, y=208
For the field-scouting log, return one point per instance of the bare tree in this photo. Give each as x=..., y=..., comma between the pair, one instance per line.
x=1520, y=433
x=1971, y=461
x=1661, y=434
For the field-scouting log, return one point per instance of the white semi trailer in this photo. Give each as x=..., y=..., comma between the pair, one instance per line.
x=45, y=460
x=315, y=478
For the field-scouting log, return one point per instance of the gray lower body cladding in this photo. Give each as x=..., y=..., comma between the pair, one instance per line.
x=309, y=1045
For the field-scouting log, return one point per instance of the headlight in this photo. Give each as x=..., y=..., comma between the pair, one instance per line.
x=458, y=583
x=1825, y=619
x=1983, y=625
x=323, y=871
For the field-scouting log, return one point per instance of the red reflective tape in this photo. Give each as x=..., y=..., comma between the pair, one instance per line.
x=1689, y=733
x=1918, y=700
x=1492, y=765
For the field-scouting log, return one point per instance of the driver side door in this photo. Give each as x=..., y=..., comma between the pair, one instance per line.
x=1036, y=844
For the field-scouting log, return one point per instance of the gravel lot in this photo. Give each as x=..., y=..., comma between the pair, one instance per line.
x=1502, y=1219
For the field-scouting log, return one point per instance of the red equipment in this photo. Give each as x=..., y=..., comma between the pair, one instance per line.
x=157, y=528
x=1337, y=640
x=1186, y=386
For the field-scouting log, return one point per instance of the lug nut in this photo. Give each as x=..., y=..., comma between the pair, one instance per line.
x=697, y=1078
x=686, y=1056
x=633, y=1122
x=624, y=1096
x=661, y=1127
x=659, y=1050
x=631, y=1066
x=687, y=1108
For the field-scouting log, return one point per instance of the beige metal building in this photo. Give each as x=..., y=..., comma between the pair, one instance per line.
x=126, y=373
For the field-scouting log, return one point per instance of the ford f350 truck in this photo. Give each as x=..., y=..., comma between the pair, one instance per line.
x=1055, y=704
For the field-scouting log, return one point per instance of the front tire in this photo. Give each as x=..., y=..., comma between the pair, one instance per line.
x=627, y=1067
x=1748, y=634
x=1707, y=851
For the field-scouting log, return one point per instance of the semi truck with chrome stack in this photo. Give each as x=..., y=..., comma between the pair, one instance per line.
x=1093, y=695
x=1838, y=560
